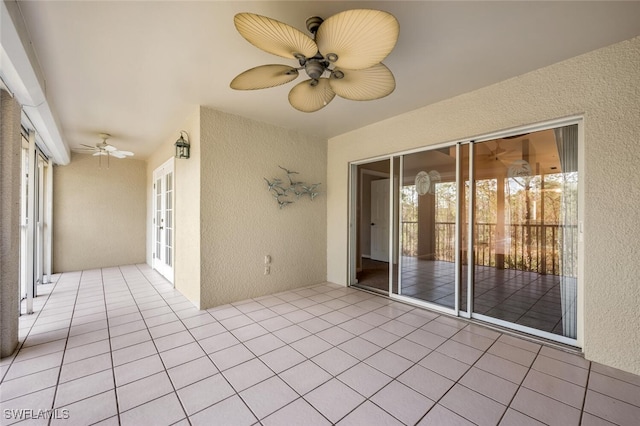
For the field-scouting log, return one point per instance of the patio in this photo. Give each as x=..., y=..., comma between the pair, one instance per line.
x=121, y=346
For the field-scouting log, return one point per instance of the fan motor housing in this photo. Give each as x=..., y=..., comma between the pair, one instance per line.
x=314, y=68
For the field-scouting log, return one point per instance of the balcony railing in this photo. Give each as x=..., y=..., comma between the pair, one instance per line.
x=534, y=247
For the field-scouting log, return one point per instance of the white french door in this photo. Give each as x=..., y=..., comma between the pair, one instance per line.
x=35, y=220
x=163, y=219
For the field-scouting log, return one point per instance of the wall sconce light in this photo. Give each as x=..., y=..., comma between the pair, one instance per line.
x=182, y=146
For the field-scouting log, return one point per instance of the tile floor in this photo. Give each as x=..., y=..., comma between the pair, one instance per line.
x=521, y=297
x=120, y=346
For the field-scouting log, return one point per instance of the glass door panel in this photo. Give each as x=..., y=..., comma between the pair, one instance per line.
x=525, y=230
x=371, y=225
x=428, y=194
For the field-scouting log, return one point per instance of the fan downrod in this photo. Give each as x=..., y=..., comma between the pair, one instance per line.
x=313, y=23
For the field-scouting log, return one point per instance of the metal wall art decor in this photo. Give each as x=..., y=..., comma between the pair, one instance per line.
x=289, y=191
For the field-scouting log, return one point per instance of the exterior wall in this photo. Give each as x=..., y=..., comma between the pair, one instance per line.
x=187, y=208
x=98, y=213
x=241, y=221
x=10, y=155
x=602, y=86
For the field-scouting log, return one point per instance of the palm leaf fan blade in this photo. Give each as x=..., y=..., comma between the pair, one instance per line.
x=274, y=37
x=263, y=77
x=363, y=85
x=310, y=97
x=359, y=38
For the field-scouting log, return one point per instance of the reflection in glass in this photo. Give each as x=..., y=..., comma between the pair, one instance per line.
x=428, y=197
x=525, y=224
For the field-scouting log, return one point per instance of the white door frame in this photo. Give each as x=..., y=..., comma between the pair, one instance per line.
x=48, y=223
x=24, y=223
x=30, y=223
x=40, y=221
x=163, y=219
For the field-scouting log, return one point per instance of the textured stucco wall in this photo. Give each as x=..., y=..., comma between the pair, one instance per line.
x=241, y=222
x=187, y=268
x=10, y=155
x=603, y=86
x=187, y=208
x=98, y=213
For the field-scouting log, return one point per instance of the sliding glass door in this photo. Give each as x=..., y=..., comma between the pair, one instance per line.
x=525, y=230
x=483, y=229
x=428, y=234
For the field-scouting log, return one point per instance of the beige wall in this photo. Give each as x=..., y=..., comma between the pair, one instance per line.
x=241, y=222
x=187, y=208
x=98, y=213
x=602, y=86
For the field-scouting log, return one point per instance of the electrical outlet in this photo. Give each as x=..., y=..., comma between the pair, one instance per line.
x=267, y=270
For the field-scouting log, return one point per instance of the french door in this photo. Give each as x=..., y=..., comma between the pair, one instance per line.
x=36, y=218
x=488, y=229
x=163, y=219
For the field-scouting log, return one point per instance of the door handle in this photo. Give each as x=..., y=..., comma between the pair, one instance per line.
x=162, y=227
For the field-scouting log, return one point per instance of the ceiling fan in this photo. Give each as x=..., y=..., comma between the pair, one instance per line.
x=104, y=148
x=343, y=58
x=497, y=152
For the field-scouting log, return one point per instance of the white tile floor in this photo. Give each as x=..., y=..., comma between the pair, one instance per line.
x=120, y=346
x=520, y=297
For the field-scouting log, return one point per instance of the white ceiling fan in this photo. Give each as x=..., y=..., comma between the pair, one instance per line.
x=103, y=148
x=496, y=153
x=343, y=58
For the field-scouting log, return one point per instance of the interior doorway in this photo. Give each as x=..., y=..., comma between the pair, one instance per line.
x=379, y=227
x=370, y=259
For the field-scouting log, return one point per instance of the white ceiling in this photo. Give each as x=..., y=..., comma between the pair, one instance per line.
x=136, y=69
